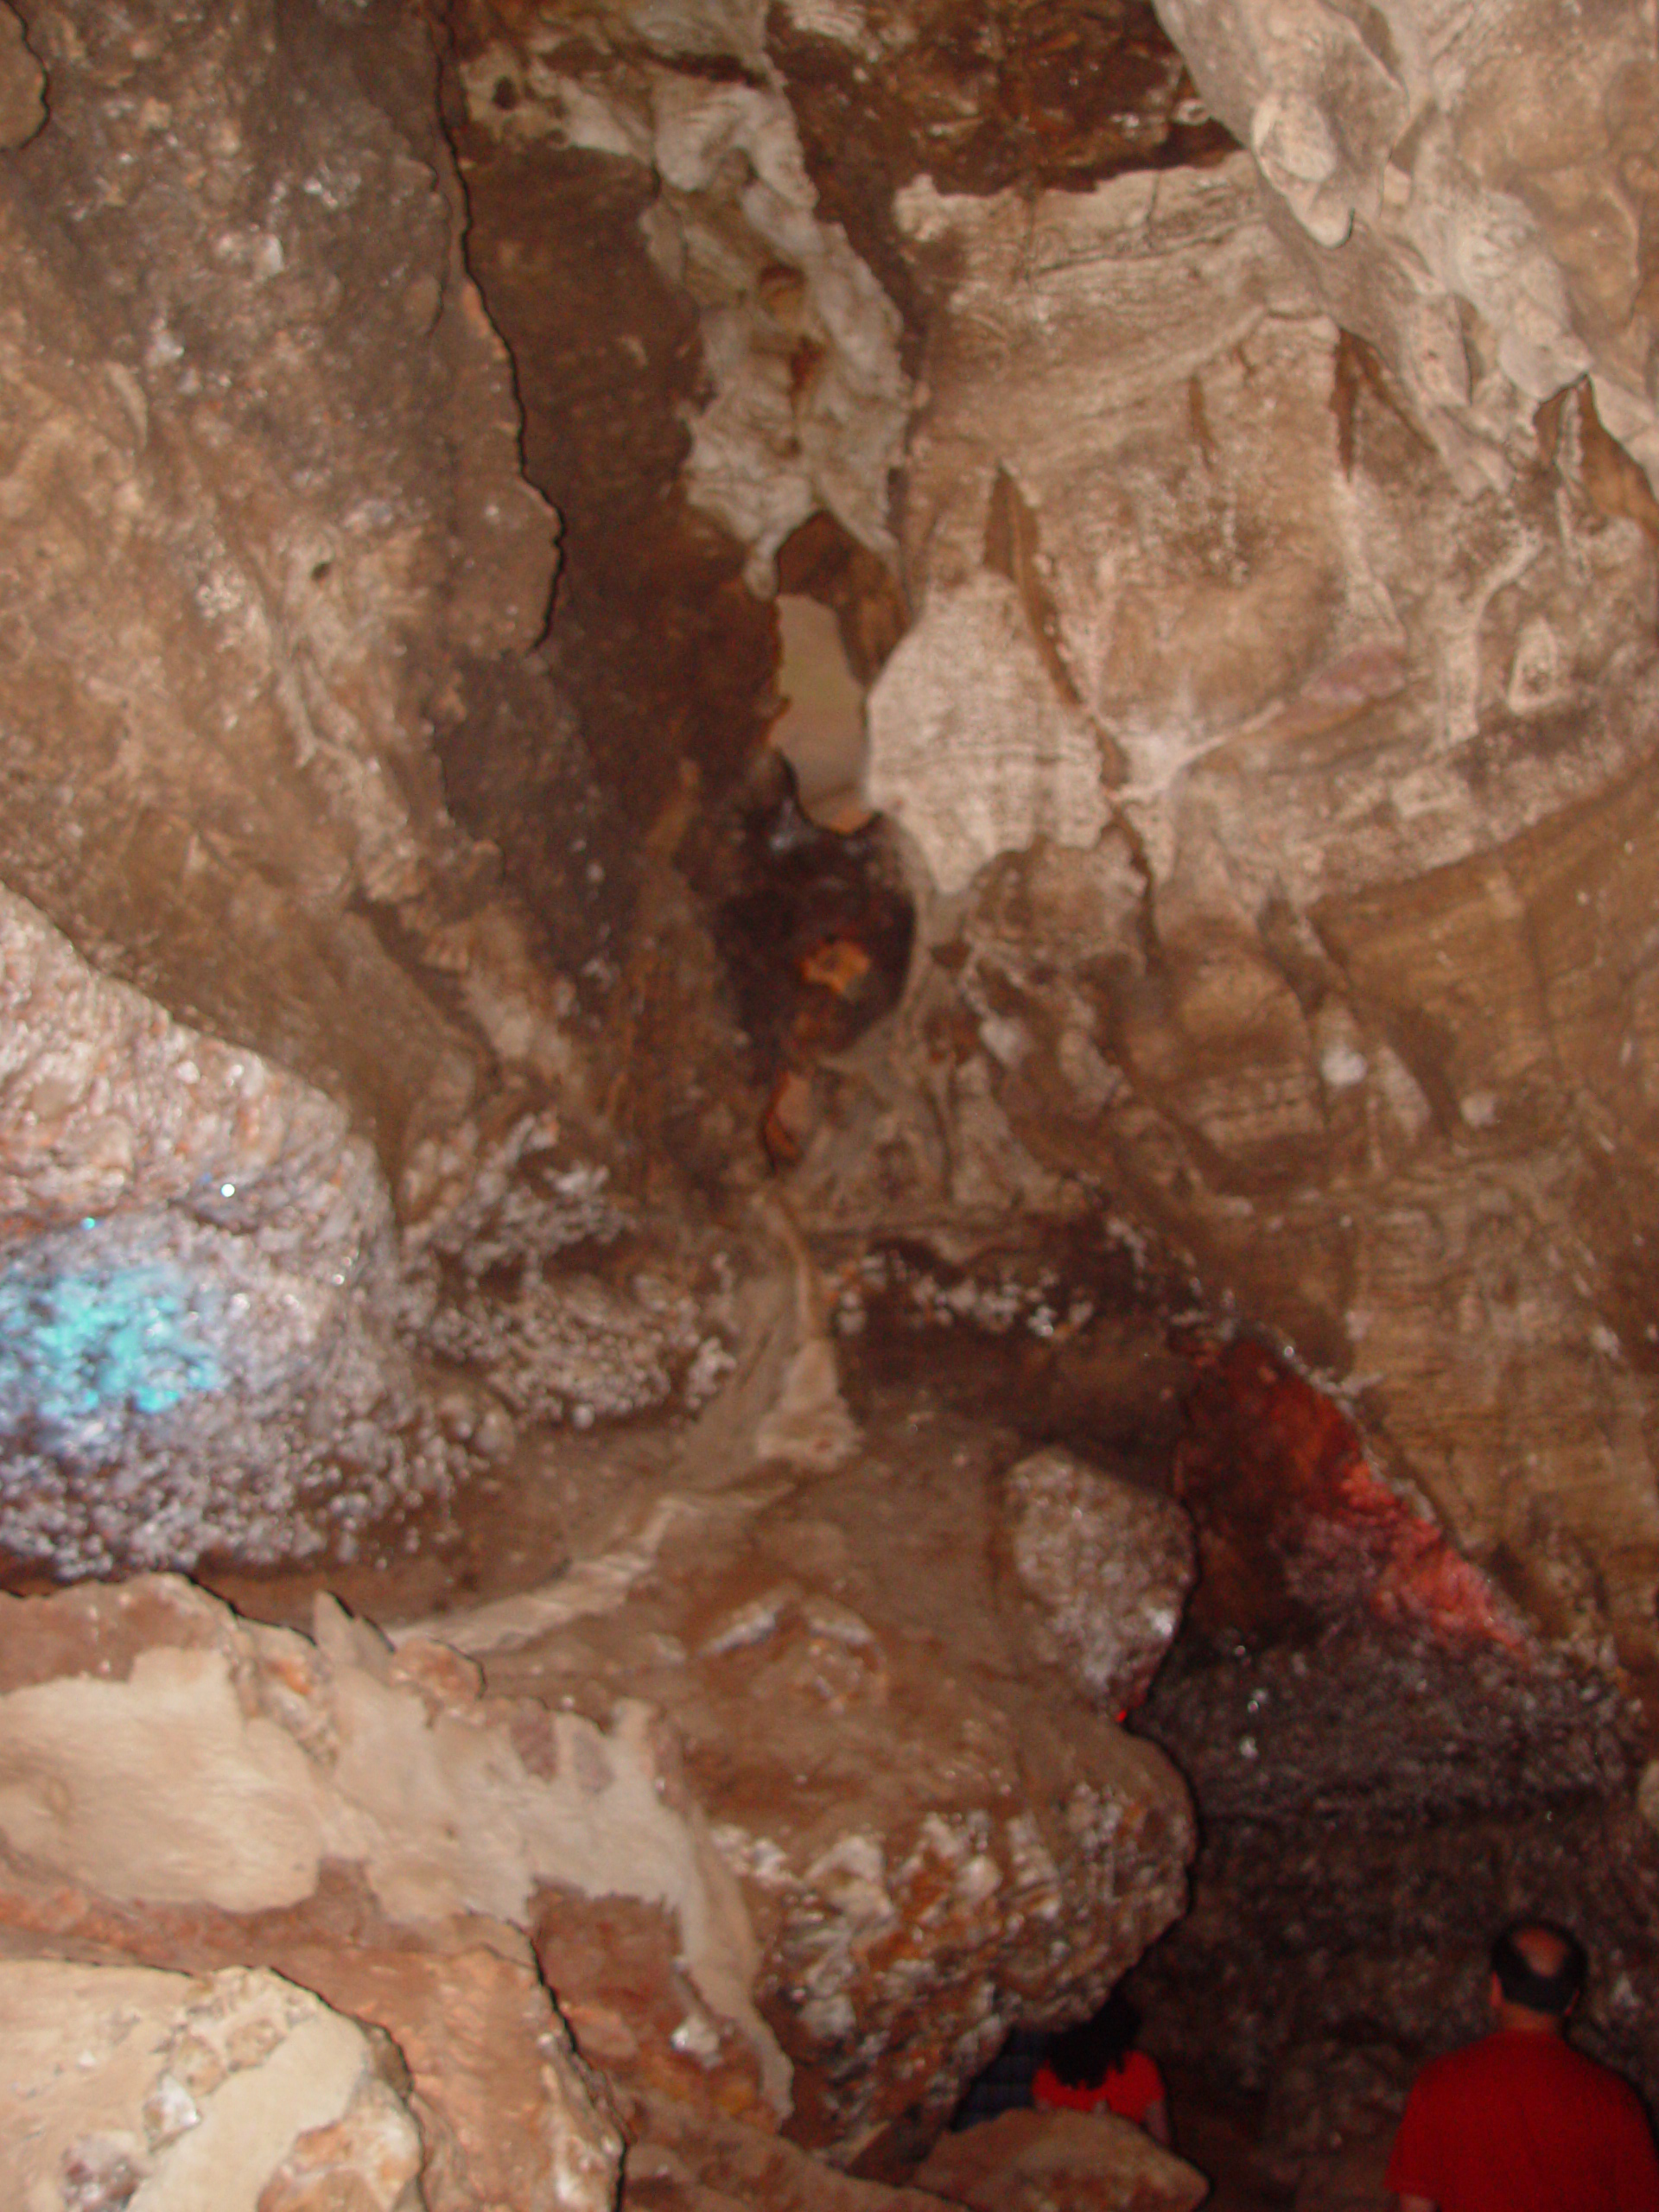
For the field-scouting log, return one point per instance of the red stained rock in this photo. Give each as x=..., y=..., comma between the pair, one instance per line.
x=1295, y=1525
x=612, y=1964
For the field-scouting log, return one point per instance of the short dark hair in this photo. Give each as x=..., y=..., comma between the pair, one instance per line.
x=1085, y=2054
x=1523, y=1984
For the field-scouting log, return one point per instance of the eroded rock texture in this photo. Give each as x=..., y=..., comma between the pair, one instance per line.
x=817, y=1844
x=263, y=484
x=415, y=965
x=236, y=2084
x=1262, y=759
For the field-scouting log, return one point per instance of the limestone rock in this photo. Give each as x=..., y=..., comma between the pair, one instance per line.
x=22, y=110
x=235, y=2089
x=1308, y=1031
x=868, y=1824
x=299, y=1752
x=266, y=454
x=1476, y=161
x=195, y=1286
x=806, y=400
x=1107, y=1564
x=924, y=1849
x=1068, y=2159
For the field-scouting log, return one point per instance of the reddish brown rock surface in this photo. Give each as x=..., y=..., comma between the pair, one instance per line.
x=823, y=1812
x=1067, y=2159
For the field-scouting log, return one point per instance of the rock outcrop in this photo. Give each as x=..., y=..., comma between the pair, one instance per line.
x=788, y=1834
x=234, y=2087
x=1261, y=761
x=263, y=493
x=1067, y=2159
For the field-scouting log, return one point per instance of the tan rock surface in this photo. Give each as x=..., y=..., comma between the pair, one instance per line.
x=1476, y=161
x=686, y=2163
x=242, y=553
x=234, y=2091
x=1307, y=963
x=22, y=110
x=1066, y=2159
x=876, y=1845
x=932, y=1836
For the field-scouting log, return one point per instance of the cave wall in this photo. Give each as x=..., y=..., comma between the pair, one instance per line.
x=264, y=492
x=415, y=967
x=1275, y=731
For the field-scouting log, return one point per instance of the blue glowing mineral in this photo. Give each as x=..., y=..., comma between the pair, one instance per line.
x=80, y=1343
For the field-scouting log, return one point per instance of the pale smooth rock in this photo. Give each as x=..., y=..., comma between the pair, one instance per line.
x=1445, y=160
x=972, y=750
x=170, y=2093
x=235, y=1799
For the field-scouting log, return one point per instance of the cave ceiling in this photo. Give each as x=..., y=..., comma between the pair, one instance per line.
x=828, y=861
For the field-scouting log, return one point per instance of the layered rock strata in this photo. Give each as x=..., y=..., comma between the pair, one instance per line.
x=1259, y=762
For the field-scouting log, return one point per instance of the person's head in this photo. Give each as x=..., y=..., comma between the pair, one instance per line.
x=1083, y=2056
x=1537, y=1973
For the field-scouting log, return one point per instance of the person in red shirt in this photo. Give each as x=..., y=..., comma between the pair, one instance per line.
x=1095, y=2068
x=1521, y=2121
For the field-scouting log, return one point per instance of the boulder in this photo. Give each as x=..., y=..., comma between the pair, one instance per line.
x=1070, y=2160
x=931, y=1835
x=1107, y=1564
x=794, y=1832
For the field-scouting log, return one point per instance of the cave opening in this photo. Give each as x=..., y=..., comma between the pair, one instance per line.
x=826, y=1086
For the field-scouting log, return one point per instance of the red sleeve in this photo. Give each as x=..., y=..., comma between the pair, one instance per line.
x=1635, y=2166
x=1137, y=2087
x=1043, y=2089
x=1414, y=2163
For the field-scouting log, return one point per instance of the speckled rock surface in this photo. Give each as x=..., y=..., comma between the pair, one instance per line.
x=930, y=1838
x=197, y=1353
x=1108, y=1565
